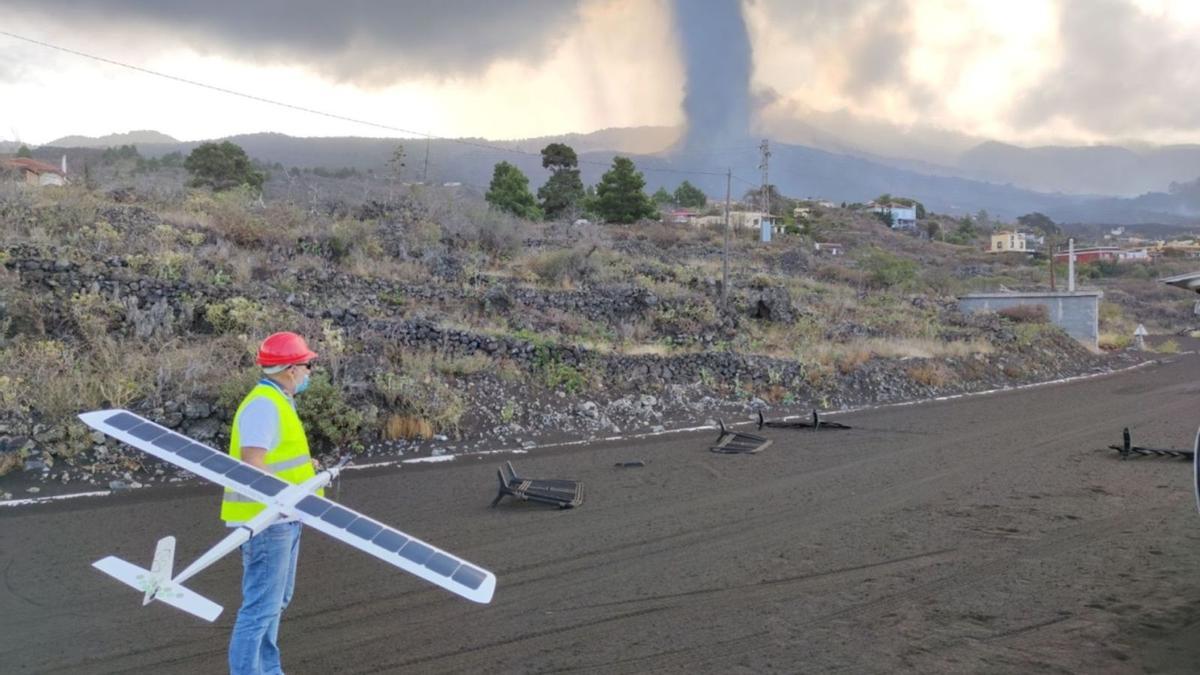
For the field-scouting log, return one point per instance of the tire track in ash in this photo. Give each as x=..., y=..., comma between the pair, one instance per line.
x=514, y=640
x=1053, y=543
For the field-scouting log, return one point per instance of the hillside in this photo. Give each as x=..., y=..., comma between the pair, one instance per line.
x=143, y=137
x=439, y=319
x=796, y=169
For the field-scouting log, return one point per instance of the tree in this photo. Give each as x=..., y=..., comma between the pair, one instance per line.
x=778, y=203
x=509, y=192
x=964, y=234
x=24, y=151
x=619, y=195
x=563, y=191
x=661, y=196
x=221, y=166
x=688, y=195
x=396, y=163
x=1040, y=222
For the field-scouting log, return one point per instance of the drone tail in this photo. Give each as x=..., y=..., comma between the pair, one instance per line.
x=155, y=583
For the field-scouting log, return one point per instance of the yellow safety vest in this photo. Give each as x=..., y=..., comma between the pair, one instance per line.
x=289, y=460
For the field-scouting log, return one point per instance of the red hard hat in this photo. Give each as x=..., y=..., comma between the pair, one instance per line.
x=284, y=349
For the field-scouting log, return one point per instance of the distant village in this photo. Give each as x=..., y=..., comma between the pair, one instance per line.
x=901, y=214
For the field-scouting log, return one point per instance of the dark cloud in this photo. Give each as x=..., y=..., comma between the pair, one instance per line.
x=362, y=41
x=1121, y=72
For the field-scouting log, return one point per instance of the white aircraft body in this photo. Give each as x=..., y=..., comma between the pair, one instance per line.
x=282, y=499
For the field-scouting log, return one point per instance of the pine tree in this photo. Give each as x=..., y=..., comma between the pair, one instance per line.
x=563, y=191
x=619, y=195
x=509, y=191
x=689, y=195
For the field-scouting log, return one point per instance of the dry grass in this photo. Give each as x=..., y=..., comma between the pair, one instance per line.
x=1112, y=341
x=407, y=427
x=930, y=374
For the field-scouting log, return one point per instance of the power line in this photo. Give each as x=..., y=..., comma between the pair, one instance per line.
x=322, y=113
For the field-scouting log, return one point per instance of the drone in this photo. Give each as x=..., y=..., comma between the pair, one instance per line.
x=282, y=499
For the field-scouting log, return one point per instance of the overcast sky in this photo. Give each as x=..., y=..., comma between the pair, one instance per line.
x=1026, y=71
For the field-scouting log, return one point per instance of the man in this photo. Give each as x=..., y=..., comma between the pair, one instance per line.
x=268, y=434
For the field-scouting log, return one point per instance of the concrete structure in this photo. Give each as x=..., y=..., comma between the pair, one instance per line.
x=1008, y=240
x=746, y=219
x=1104, y=253
x=827, y=248
x=33, y=172
x=1076, y=313
x=903, y=217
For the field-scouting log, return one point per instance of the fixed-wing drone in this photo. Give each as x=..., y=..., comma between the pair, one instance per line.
x=282, y=499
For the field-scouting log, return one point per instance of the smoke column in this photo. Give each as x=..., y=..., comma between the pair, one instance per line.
x=716, y=52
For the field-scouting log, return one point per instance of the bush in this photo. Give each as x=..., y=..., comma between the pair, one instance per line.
x=328, y=417
x=558, y=267
x=1026, y=314
x=887, y=270
x=239, y=316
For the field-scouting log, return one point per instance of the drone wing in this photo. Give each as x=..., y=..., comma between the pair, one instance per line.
x=186, y=453
x=396, y=548
x=348, y=526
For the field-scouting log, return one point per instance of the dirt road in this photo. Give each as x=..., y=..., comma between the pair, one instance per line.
x=988, y=534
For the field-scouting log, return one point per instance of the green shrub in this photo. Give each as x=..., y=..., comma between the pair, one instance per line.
x=887, y=270
x=238, y=315
x=557, y=267
x=328, y=417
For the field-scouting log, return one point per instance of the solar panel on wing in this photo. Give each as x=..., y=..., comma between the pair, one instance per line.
x=220, y=463
x=147, y=432
x=171, y=442
x=338, y=517
x=416, y=552
x=390, y=540
x=443, y=564
x=365, y=528
x=313, y=506
x=268, y=485
x=123, y=421
x=469, y=576
x=196, y=453
x=244, y=474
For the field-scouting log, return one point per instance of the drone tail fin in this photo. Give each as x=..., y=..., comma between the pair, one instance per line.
x=155, y=583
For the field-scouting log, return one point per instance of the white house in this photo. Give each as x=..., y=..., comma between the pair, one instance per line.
x=903, y=217
x=747, y=219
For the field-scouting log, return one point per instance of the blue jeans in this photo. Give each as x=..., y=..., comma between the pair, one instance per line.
x=268, y=578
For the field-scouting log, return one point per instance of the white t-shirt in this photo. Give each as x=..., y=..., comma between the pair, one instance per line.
x=258, y=427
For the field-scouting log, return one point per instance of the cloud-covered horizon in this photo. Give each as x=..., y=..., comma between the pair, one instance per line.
x=1022, y=71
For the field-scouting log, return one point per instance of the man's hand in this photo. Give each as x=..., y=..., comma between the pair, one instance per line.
x=316, y=465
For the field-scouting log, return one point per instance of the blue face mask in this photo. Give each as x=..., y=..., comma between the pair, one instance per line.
x=303, y=383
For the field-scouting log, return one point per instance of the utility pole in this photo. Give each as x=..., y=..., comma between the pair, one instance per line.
x=1050, y=241
x=425, y=169
x=725, y=253
x=765, y=149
